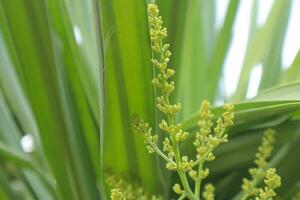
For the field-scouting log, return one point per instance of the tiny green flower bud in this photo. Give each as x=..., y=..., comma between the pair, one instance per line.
x=272, y=179
x=177, y=189
x=163, y=125
x=165, y=47
x=168, y=54
x=171, y=166
x=193, y=174
x=156, y=82
x=204, y=173
x=169, y=73
x=116, y=194
x=208, y=193
x=210, y=157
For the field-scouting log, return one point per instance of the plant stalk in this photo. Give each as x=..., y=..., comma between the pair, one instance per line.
x=198, y=181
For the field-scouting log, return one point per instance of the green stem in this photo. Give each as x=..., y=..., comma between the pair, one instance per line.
x=198, y=181
x=202, y=158
x=182, y=175
x=171, y=122
x=182, y=196
x=160, y=153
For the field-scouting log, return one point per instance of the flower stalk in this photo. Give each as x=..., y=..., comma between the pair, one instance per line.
x=211, y=134
x=205, y=141
x=261, y=172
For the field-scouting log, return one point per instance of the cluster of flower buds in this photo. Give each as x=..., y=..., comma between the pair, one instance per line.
x=208, y=193
x=140, y=126
x=157, y=34
x=202, y=174
x=116, y=194
x=123, y=189
x=260, y=172
x=177, y=189
x=185, y=164
x=168, y=148
x=175, y=131
x=265, y=150
x=207, y=140
x=157, y=31
x=272, y=182
x=162, y=81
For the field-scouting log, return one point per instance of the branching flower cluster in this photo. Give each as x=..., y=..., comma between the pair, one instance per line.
x=261, y=172
x=207, y=139
x=125, y=190
x=210, y=135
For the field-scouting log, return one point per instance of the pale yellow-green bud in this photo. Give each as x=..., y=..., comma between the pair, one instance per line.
x=168, y=54
x=249, y=187
x=177, y=189
x=155, y=48
x=165, y=47
x=116, y=194
x=123, y=188
x=210, y=157
x=140, y=126
x=257, y=172
x=185, y=164
x=156, y=83
x=163, y=125
x=205, y=122
x=204, y=173
x=169, y=87
x=266, y=148
x=168, y=109
x=150, y=149
x=219, y=128
x=228, y=116
x=153, y=10
x=273, y=181
x=155, y=62
x=193, y=175
x=208, y=193
x=169, y=73
x=171, y=166
x=167, y=147
x=181, y=136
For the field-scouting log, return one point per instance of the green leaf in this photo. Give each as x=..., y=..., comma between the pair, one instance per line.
x=292, y=74
x=48, y=51
x=275, y=101
x=209, y=87
x=24, y=161
x=197, y=61
x=13, y=91
x=285, y=92
x=261, y=44
x=11, y=151
x=272, y=66
x=128, y=90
